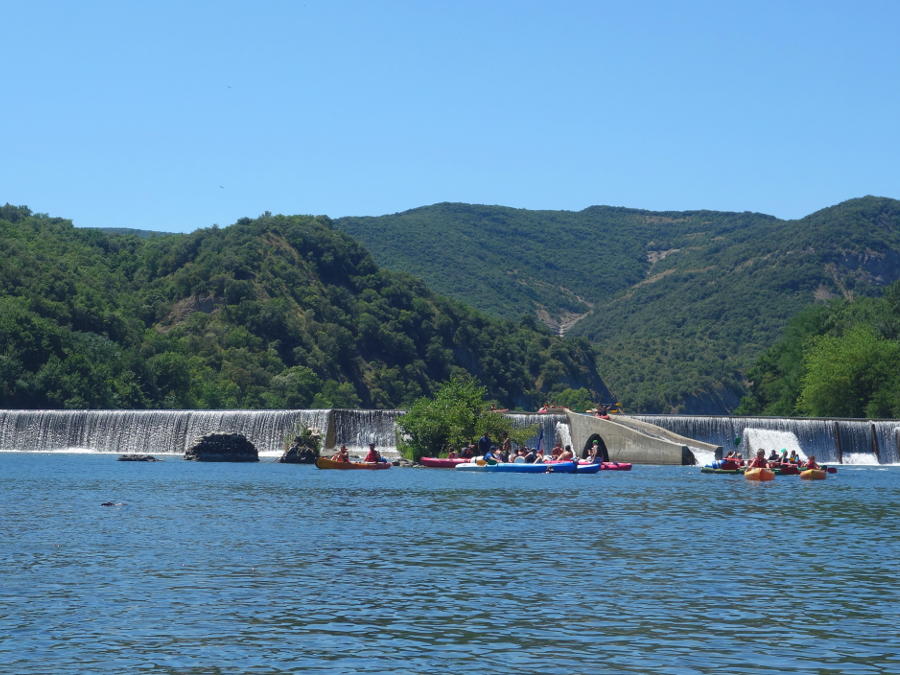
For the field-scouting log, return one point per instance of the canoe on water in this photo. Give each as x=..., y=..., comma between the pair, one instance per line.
x=759, y=474
x=324, y=463
x=813, y=474
x=441, y=462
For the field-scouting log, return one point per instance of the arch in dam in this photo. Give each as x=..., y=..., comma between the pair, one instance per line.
x=604, y=452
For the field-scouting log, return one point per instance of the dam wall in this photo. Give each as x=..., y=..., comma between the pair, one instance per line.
x=625, y=439
x=641, y=439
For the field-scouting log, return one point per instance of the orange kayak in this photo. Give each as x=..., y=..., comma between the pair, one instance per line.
x=813, y=474
x=323, y=463
x=759, y=474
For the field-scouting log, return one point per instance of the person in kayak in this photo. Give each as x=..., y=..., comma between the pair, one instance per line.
x=566, y=455
x=342, y=455
x=484, y=444
x=372, y=455
x=811, y=463
x=773, y=456
x=492, y=456
x=759, y=462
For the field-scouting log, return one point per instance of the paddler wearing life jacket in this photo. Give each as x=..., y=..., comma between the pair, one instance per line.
x=759, y=462
x=811, y=463
x=372, y=455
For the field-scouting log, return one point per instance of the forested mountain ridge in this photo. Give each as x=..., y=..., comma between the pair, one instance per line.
x=275, y=312
x=679, y=304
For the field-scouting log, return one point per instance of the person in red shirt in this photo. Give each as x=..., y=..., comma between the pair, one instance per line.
x=342, y=455
x=811, y=463
x=759, y=462
x=372, y=455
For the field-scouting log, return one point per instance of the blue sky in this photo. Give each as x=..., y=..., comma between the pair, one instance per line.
x=176, y=115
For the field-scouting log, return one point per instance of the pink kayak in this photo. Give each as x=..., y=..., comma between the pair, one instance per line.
x=442, y=462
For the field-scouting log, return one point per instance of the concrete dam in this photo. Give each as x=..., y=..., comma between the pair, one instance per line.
x=641, y=439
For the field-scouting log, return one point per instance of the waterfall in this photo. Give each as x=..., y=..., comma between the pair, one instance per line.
x=770, y=439
x=357, y=428
x=149, y=431
x=830, y=440
x=548, y=423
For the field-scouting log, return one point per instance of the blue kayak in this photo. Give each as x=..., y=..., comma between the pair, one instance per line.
x=572, y=467
x=512, y=467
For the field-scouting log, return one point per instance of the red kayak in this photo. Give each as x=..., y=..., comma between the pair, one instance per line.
x=442, y=462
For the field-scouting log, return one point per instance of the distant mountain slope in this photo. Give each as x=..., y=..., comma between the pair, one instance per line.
x=277, y=312
x=680, y=304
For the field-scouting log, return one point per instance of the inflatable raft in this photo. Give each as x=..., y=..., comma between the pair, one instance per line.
x=323, y=463
x=759, y=474
x=813, y=474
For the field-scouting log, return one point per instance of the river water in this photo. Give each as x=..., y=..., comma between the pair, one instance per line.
x=269, y=568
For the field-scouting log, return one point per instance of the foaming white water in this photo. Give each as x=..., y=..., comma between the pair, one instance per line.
x=702, y=457
x=861, y=458
x=771, y=439
x=563, y=434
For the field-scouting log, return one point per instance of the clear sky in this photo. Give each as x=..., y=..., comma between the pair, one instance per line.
x=174, y=115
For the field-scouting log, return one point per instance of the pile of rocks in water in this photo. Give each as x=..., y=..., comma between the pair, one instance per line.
x=222, y=448
x=138, y=458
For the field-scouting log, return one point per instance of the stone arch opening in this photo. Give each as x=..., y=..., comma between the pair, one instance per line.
x=604, y=453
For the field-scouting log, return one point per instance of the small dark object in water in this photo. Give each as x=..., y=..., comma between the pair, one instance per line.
x=113, y=504
x=138, y=458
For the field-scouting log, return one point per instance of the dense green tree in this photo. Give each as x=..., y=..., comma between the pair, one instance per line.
x=456, y=415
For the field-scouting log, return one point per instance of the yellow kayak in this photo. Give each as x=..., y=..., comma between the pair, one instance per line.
x=759, y=474
x=813, y=474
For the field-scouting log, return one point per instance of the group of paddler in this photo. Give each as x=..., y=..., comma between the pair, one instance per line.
x=372, y=456
x=734, y=460
x=491, y=453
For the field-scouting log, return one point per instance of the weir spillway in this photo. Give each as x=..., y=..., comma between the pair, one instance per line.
x=173, y=431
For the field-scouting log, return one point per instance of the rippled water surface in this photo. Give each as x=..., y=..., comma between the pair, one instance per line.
x=276, y=568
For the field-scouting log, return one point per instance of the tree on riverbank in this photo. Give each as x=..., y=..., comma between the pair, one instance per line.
x=455, y=416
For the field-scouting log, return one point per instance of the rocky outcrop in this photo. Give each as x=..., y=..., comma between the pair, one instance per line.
x=298, y=454
x=138, y=458
x=305, y=449
x=222, y=448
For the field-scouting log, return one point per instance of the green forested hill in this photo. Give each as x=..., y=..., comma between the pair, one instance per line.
x=838, y=359
x=679, y=304
x=274, y=312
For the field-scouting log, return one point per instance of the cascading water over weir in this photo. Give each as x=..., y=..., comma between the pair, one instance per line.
x=173, y=431
x=848, y=441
